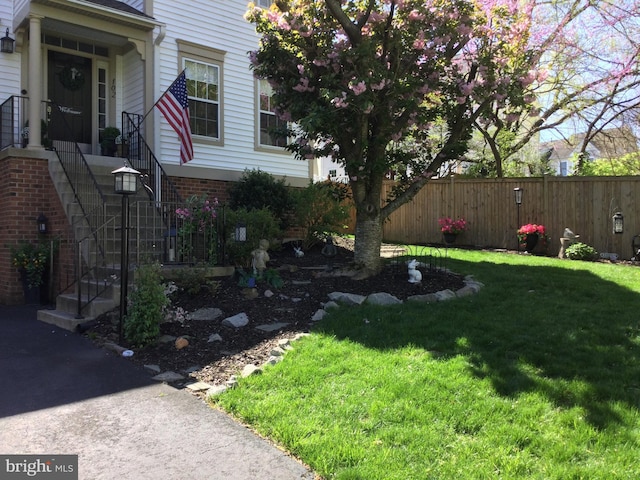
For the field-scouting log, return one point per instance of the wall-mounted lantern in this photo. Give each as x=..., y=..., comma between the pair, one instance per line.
x=618, y=223
x=6, y=43
x=43, y=224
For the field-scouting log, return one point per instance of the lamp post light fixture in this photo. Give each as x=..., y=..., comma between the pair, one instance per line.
x=125, y=183
x=240, y=234
x=517, y=194
x=618, y=223
x=43, y=224
x=6, y=43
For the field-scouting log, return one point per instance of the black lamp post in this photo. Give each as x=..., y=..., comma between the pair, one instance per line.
x=125, y=183
x=517, y=193
x=618, y=223
x=6, y=43
x=43, y=224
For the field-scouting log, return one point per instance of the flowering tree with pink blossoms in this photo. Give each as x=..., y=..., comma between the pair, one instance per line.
x=367, y=82
x=588, y=79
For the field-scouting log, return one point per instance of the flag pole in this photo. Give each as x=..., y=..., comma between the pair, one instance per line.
x=160, y=98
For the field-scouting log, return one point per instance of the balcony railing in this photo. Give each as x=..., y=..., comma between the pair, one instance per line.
x=13, y=122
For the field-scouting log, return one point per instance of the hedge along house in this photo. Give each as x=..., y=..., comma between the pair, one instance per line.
x=78, y=67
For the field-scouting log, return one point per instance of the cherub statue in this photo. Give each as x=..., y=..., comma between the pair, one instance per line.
x=260, y=257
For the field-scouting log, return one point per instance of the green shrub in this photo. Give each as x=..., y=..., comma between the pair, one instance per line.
x=581, y=251
x=145, y=309
x=321, y=208
x=257, y=190
x=260, y=224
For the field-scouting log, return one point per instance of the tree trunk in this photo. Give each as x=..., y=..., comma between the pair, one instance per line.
x=367, y=242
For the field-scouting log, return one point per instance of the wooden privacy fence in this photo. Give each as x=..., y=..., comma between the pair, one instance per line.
x=586, y=205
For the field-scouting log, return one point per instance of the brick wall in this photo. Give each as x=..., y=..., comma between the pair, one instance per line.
x=26, y=191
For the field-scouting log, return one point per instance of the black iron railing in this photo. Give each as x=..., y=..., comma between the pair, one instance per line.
x=140, y=156
x=13, y=122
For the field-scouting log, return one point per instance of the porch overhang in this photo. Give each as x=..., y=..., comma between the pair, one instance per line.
x=107, y=11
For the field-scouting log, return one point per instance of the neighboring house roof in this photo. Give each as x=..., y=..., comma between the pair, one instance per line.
x=612, y=143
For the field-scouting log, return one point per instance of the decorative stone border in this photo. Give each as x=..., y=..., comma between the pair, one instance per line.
x=336, y=299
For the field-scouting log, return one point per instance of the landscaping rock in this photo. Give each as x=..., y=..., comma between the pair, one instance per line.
x=250, y=369
x=271, y=327
x=443, y=295
x=214, y=337
x=205, y=314
x=347, y=298
x=237, y=321
x=382, y=298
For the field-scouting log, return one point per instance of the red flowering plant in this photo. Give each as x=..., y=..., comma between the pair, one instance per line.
x=449, y=225
x=532, y=229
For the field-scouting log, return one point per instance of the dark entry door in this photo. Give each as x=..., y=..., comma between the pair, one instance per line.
x=70, y=87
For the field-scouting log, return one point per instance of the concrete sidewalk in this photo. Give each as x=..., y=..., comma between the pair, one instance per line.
x=62, y=395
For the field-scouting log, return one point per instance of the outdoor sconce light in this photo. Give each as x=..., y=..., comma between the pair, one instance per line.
x=618, y=223
x=241, y=232
x=42, y=222
x=126, y=180
x=517, y=192
x=6, y=43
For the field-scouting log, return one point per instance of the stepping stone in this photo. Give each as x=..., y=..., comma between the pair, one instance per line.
x=198, y=386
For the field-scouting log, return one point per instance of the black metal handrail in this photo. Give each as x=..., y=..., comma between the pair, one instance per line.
x=13, y=121
x=140, y=156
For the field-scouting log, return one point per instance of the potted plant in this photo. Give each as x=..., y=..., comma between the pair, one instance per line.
x=530, y=234
x=122, y=147
x=31, y=260
x=451, y=228
x=108, y=141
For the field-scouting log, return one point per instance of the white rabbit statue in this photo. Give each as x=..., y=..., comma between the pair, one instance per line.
x=415, y=275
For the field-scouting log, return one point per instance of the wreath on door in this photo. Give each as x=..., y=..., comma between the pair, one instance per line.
x=71, y=78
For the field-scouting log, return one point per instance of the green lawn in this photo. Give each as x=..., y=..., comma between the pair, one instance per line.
x=537, y=376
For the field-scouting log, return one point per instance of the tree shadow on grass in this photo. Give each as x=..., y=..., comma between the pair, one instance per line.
x=568, y=334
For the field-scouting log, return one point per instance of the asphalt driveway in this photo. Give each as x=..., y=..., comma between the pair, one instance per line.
x=59, y=394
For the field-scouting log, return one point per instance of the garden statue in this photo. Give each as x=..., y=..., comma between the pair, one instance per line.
x=298, y=252
x=415, y=275
x=260, y=257
x=329, y=251
x=568, y=239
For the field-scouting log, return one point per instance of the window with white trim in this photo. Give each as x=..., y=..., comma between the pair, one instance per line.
x=264, y=3
x=564, y=168
x=203, y=89
x=269, y=122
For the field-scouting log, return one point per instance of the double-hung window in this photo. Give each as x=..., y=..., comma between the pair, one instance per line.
x=203, y=89
x=270, y=126
x=203, y=68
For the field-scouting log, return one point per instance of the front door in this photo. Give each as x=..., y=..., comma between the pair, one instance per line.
x=70, y=86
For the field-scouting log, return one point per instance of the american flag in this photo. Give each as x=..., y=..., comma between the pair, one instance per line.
x=174, y=105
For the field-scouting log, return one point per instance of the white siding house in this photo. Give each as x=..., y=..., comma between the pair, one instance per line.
x=126, y=54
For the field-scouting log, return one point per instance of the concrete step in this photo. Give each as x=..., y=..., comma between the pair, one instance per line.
x=61, y=319
x=68, y=303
